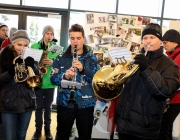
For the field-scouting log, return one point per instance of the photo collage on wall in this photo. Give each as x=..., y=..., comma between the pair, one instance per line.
x=110, y=31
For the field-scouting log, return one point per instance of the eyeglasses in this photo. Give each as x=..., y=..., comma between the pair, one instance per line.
x=165, y=42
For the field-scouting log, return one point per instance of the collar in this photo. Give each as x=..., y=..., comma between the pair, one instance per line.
x=152, y=55
x=173, y=53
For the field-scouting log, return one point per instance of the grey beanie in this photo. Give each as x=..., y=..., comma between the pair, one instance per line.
x=12, y=30
x=20, y=35
x=48, y=28
x=172, y=36
x=3, y=25
x=154, y=29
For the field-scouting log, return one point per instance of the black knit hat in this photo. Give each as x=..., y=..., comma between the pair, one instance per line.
x=172, y=36
x=154, y=29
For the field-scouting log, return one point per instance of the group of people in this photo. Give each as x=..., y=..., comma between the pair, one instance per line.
x=142, y=111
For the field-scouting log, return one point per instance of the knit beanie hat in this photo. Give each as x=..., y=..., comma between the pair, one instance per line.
x=48, y=28
x=11, y=32
x=20, y=35
x=172, y=36
x=2, y=25
x=153, y=29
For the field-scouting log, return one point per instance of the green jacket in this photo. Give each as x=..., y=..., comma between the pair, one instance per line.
x=46, y=83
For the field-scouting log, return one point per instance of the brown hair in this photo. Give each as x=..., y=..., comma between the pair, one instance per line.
x=77, y=28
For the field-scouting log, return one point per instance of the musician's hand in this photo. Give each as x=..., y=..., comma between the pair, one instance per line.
x=77, y=64
x=47, y=62
x=29, y=61
x=142, y=60
x=69, y=73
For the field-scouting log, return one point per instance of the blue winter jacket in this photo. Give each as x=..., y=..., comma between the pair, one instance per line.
x=84, y=97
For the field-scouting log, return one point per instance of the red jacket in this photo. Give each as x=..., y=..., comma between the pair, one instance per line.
x=5, y=43
x=175, y=55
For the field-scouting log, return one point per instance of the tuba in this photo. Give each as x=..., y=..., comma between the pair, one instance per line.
x=108, y=81
x=22, y=74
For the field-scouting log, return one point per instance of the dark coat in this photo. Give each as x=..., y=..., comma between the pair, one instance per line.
x=142, y=102
x=14, y=97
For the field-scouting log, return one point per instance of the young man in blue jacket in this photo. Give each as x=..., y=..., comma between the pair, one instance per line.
x=80, y=68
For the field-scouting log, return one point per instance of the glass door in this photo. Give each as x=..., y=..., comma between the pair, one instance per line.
x=35, y=25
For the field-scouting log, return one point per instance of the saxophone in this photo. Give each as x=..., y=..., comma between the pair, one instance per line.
x=42, y=67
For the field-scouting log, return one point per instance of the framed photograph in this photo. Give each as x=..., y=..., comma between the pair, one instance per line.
x=112, y=18
x=115, y=42
x=90, y=18
x=101, y=19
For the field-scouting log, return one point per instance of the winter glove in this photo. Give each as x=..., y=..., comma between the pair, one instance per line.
x=142, y=60
x=19, y=61
x=29, y=61
x=11, y=69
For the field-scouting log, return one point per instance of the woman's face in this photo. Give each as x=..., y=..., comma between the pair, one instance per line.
x=19, y=46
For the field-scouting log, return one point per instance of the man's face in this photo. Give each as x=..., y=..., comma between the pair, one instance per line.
x=4, y=32
x=76, y=38
x=48, y=36
x=152, y=41
x=169, y=46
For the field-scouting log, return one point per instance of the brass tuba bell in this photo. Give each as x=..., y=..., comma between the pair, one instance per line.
x=108, y=81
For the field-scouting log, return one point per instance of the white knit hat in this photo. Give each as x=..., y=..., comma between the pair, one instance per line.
x=20, y=35
x=48, y=28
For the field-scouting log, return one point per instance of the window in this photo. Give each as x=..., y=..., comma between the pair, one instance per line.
x=169, y=5
x=140, y=7
x=94, y=5
x=47, y=3
x=16, y=2
x=10, y=20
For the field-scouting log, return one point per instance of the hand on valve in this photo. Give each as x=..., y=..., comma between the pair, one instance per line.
x=47, y=62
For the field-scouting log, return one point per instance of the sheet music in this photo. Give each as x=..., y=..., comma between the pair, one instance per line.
x=119, y=52
x=34, y=53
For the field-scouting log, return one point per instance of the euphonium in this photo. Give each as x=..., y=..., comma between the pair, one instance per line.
x=43, y=68
x=108, y=81
x=22, y=74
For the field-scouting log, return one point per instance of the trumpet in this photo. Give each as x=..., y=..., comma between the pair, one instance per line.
x=22, y=74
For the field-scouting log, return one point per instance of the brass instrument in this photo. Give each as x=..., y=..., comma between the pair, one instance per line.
x=22, y=74
x=20, y=71
x=71, y=100
x=108, y=82
x=43, y=68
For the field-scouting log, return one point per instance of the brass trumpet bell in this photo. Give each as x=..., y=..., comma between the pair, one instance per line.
x=33, y=80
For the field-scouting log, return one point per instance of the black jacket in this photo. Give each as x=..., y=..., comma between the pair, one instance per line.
x=142, y=102
x=14, y=97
